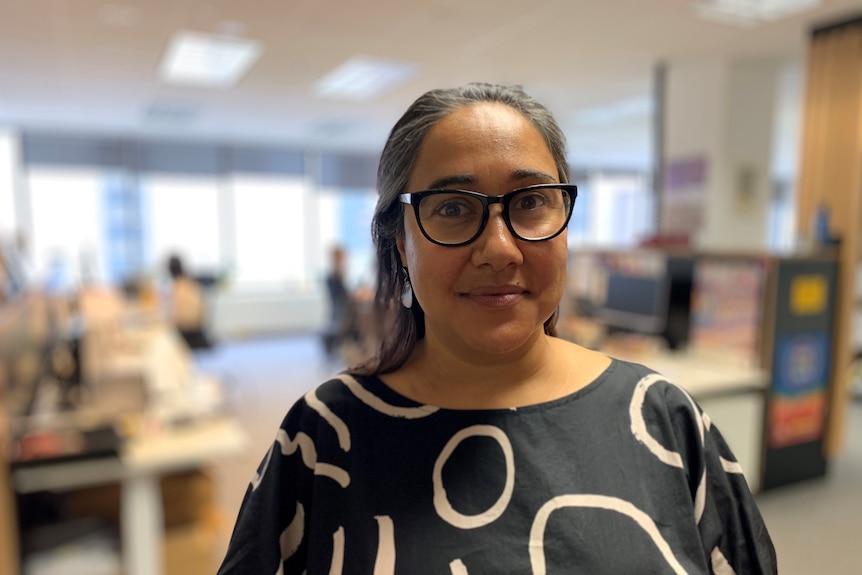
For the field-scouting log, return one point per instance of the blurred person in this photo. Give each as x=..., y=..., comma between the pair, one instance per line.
x=186, y=307
x=475, y=440
x=342, y=328
x=58, y=275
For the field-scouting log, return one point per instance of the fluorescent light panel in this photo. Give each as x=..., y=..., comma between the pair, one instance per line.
x=362, y=78
x=751, y=12
x=207, y=60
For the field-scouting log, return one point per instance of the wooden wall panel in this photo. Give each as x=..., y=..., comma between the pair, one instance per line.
x=8, y=517
x=831, y=175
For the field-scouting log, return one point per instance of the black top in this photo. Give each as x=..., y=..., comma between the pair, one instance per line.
x=626, y=475
x=339, y=297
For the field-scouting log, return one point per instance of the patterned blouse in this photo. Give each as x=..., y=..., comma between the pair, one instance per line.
x=626, y=475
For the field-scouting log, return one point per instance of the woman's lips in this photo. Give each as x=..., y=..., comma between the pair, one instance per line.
x=496, y=296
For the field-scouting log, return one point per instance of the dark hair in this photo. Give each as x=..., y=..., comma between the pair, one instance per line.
x=175, y=267
x=401, y=327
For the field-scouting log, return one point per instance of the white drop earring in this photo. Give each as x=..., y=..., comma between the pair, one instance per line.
x=407, y=291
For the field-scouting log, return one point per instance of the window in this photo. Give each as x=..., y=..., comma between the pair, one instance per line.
x=345, y=220
x=68, y=236
x=181, y=217
x=270, y=215
x=615, y=210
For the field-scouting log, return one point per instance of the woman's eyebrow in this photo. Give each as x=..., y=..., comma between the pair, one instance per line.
x=466, y=179
x=449, y=181
x=525, y=174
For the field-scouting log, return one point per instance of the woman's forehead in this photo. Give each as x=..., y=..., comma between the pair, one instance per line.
x=479, y=120
x=481, y=140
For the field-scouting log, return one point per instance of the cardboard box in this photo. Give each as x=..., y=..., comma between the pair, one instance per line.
x=186, y=498
x=189, y=550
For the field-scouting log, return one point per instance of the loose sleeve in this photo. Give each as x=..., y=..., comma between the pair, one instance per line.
x=734, y=536
x=268, y=532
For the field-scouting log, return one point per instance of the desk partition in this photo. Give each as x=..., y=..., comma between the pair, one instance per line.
x=760, y=313
x=803, y=297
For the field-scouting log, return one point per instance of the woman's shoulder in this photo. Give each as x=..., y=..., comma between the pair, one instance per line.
x=353, y=395
x=334, y=388
x=622, y=376
x=648, y=390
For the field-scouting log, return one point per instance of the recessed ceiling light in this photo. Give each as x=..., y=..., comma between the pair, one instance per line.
x=171, y=113
x=751, y=12
x=207, y=60
x=362, y=78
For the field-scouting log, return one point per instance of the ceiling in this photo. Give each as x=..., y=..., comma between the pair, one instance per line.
x=91, y=65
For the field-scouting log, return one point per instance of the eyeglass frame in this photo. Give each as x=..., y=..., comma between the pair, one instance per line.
x=415, y=198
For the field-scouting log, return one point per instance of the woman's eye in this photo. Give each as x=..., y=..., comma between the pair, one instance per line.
x=451, y=209
x=531, y=202
x=454, y=208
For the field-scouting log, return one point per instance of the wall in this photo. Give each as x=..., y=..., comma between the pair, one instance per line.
x=694, y=107
x=240, y=315
x=737, y=203
x=693, y=117
x=717, y=156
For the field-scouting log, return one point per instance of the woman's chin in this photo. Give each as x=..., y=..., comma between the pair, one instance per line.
x=502, y=341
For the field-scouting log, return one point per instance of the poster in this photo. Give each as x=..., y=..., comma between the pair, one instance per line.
x=726, y=308
x=683, y=196
x=797, y=410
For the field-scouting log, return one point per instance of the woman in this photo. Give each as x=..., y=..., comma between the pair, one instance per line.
x=476, y=441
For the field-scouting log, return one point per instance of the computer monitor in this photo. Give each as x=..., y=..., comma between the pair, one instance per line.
x=634, y=302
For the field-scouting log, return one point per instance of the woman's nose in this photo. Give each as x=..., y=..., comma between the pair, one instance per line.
x=496, y=245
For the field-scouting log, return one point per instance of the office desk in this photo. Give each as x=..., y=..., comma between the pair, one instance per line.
x=138, y=470
x=703, y=375
x=135, y=364
x=733, y=395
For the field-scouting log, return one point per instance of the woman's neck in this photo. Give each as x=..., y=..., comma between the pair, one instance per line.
x=436, y=375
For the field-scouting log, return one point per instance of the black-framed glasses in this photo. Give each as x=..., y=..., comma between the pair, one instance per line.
x=450, y=217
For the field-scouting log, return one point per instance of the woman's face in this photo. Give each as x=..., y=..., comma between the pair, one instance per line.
x=493, y=295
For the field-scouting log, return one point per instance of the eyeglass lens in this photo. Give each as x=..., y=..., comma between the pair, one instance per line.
x=454, y=217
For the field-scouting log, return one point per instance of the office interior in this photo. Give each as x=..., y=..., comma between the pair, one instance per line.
x=715, y=238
